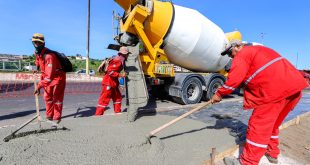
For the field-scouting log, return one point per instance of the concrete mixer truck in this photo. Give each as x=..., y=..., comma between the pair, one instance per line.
x=160, y=36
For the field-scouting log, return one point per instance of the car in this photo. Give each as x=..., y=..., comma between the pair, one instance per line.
x=83, y=72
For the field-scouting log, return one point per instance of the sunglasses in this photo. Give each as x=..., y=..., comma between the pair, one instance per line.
x=37, y=43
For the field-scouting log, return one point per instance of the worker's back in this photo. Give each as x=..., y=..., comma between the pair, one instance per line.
x=270, y=77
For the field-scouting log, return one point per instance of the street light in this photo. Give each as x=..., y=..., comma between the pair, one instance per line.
x=262, y=35
x=87, y=47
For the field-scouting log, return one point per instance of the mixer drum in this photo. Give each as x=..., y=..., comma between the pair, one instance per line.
x=194, y=42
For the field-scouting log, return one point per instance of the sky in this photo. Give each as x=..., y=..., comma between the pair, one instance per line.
x=285, y=25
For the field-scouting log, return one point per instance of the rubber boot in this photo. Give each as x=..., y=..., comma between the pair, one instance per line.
x=231, y=161
x=271, y=159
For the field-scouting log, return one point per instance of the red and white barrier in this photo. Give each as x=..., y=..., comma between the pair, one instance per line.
x=22, y=84
x=71, y=77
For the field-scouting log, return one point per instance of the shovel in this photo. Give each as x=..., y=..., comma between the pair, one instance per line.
x=37, y=116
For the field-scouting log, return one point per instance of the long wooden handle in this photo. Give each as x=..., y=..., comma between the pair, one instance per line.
x=179, y=118
x=37, y=103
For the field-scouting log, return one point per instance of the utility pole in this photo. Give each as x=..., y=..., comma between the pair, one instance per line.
x=115, y=17
x=87, y=47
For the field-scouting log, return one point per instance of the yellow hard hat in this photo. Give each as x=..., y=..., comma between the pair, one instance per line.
x=38, y=37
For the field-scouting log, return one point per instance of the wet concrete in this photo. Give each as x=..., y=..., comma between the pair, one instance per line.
x=231, y=115
x=302, y=107
x=110, y=140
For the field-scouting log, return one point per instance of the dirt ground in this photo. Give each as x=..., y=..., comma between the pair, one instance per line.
x=295, y=141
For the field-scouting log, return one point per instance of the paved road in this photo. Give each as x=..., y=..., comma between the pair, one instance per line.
x=80, y=101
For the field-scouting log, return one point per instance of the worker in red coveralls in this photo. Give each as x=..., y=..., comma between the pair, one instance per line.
x=53, y=78
x=110, y=83
x=272, y=89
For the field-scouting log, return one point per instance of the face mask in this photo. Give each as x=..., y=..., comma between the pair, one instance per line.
x=38, y=48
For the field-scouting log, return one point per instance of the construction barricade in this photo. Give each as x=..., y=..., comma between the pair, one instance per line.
x=22, y=84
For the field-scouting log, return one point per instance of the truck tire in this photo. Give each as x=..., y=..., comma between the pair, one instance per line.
x=191, y=92
x=212, y=88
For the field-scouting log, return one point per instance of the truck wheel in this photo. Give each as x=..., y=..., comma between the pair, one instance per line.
x=212, y=88
x=191, y=92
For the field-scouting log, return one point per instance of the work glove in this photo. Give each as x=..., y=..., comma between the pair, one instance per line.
x=216, y=99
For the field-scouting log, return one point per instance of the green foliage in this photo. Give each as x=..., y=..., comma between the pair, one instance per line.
x=31, y=59
x=81, y=64
x=77, y=64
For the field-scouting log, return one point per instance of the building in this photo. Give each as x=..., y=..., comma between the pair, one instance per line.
x=10, y=57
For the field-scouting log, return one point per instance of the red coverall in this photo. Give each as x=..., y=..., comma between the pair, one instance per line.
x=272, y=88
x=110, y=85
x=53, y=80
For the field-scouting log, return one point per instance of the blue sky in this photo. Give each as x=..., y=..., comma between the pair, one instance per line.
x=285, y=24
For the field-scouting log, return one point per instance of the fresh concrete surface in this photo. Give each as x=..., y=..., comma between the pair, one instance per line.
x=111, y=140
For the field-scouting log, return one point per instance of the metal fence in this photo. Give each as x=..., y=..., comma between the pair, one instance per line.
x=14, y=65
